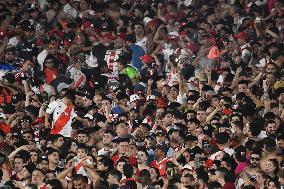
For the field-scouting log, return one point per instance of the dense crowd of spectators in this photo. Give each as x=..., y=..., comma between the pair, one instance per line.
x=141, y=94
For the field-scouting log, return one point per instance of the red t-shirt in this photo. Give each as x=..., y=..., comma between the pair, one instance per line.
x=160, y=165
x=5, y=128
x=132, y=160
x=50, y=75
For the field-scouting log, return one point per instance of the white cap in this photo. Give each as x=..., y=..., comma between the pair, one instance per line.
x=134, y=97
x=151, y=97
x=146, y=20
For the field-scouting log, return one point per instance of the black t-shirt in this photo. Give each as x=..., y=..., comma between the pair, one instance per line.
x=27, y=49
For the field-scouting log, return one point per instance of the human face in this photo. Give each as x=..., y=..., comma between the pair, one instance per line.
x=175, y=137
x=25, y=173
x=153, y=174
x=270, y=78
x=190, y=115
x=121, y=130
x=123, y=147
x=168, y=119
x=214, y=102
x=201, y=116
x=123, y=101
x=199, y=131
x=191, y=126
x=37, y=177
x=138, y=29
x=133, y=115
x=141, y=157
x=66, y=101
x=242, y=87
x=43, y=165
x=59, y=142
x=18, y=164
x=280, y=143
x=254, y=160
x=270, y=68
x=81, y=153
x=82, y=138
x=49, y=63
x=120, y=166
x=173, y=92
x=28, y=136
x=107, y=137
x=34, y=157
x=185, y=181
x=271, y=128
x=78, y=184
x=269, y=167
x=10, y=56
x=190, y=104
x=160, y=113
x=73, y=147
x=54, y=158
x=50, y=176
x=271, y=185
x=101, y=166
x=27, y=65
x=160, y=138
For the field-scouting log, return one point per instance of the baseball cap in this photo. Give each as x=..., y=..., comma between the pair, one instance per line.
x=147, y=59
x=208, y=129
x=26, y=119
x=151, y=97
x=160, y=132
x=173, y=128
x=139, y=87
x=241, y=35
x=42, y=158
x=190, y=138
x=134, y=97
x=162, y=147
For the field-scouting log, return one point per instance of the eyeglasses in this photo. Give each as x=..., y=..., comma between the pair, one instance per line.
x=253, y=158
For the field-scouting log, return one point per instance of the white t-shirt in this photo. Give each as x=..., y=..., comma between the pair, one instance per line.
x=142, y=43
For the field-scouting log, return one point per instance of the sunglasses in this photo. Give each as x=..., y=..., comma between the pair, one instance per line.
x=253, y=158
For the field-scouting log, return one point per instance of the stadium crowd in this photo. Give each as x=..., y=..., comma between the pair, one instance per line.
x=141, y=94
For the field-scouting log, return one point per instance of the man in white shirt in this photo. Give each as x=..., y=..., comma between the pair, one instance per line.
x=141, y=39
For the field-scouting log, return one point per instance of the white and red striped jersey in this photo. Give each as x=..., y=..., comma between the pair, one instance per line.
x=57, y=107
x=79, y=168
x=78, y=77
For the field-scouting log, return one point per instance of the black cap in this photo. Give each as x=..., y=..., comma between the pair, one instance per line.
x=208, y=129
x=123, y=139
x=131, y=38
x=42, y=158
x=162, y=147
x=26, y=118
x=190, y=138
x=55, y=137
x=121, y=96
x=100, y=117
x=174, y=128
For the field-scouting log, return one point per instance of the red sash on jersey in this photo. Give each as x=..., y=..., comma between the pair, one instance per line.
x=79, y=165
x=62, y=120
